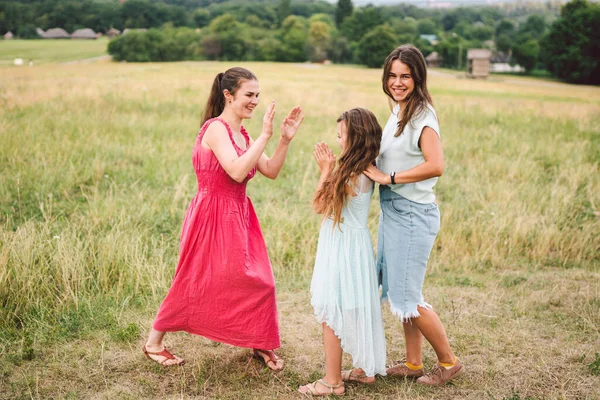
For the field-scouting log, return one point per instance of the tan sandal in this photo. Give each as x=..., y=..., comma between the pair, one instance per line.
x=349, y=376
x=270, y=362
x=312, y=389
x=164, y=353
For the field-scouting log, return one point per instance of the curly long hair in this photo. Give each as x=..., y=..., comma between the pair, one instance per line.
x=361, y=150
x=420, y=97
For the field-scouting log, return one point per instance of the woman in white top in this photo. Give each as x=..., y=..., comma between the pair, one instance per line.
x=409, y=164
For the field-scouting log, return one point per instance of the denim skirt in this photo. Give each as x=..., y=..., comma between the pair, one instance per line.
x=407, y=231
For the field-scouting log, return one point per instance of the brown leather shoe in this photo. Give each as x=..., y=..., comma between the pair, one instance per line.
x=441, y=375
x=400, y=369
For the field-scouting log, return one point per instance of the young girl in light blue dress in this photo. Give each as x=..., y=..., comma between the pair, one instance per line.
x=344, y=287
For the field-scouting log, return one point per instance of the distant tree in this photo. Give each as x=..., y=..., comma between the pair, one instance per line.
x=170, y=44
x=361, y=21
x=254, y=21
x=227, y=30
x=464, y=29
x=449, y=21
x=319, y=41
x=211, y=47
x=293, y=22
x=283, y=10
x=135, y=47
x=178, y=16
x=341, y=52
x=535, y=25
x=422, y=44
x=308, y=8
x=505, y=27
x=427, y=27
x=27, y=32
x=526, y=54
x=407, y=25
x=268, y=48
x=406, y=38
x=141, y=14
x=293, y=40
x=452, y=48
x=375, y=46
x=223, y=23
x=571, y=48
x=503, y=42
x=320, y=17
x=343, y=10
x=201, y=17
x=482, y=32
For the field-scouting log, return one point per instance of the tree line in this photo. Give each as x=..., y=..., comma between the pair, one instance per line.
x=562, y=39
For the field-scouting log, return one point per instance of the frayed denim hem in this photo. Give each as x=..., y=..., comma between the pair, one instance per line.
x=407, y=315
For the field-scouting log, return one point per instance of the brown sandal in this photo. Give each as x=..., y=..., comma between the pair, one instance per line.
x=350, y=376
x=164, y=353
x=271, y=362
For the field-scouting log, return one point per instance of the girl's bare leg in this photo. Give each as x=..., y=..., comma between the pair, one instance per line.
x=431, y=327
x=414, y=342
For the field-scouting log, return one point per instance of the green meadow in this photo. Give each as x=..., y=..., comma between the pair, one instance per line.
x=44, y=51
x=96, y=176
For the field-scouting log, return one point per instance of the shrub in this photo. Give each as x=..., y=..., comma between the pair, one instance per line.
x=171, y=44
x=375, y=46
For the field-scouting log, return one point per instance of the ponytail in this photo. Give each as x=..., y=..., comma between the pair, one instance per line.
x=229, y=80
x=216, y=100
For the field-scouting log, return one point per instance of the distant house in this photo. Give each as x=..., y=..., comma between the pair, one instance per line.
x=56, y=33
x=434, y=60
x=8, y=35
x=432, y=39
x=126, y=31
x=501, y=62
x=112, y=32
x=478, y=63
x=85, y=33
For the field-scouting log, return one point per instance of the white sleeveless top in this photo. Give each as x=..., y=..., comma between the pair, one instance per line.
x=402, y=153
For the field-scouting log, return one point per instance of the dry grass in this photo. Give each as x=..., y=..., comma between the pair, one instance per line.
x=96, y=178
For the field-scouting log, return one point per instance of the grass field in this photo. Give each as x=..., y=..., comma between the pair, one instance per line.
x=50, y=51
x=96, y=177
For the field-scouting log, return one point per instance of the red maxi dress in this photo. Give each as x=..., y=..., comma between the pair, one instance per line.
x=223, y=287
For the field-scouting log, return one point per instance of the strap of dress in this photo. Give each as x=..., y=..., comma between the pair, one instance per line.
x=362, y=184
x=221, y=120
x=246, y=136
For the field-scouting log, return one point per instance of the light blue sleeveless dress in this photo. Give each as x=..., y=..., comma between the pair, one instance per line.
x=344, y=287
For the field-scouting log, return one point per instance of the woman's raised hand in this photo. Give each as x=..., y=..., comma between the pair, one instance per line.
x=291, y=123
x=325, y=157
x=268, y=121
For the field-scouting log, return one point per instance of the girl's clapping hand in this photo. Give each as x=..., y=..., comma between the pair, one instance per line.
x=325, y=157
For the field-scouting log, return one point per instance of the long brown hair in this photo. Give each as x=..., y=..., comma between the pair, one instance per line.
x=420, y=97
x=362, y=147
x=230, y=80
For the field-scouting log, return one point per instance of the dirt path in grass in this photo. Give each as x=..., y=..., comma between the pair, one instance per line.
x=87, y=60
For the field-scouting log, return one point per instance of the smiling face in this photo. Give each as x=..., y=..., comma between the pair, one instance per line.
x=342, y=135
x=244, y=100
x=400, y=82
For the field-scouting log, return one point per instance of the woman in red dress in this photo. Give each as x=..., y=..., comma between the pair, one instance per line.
x=223, y=287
